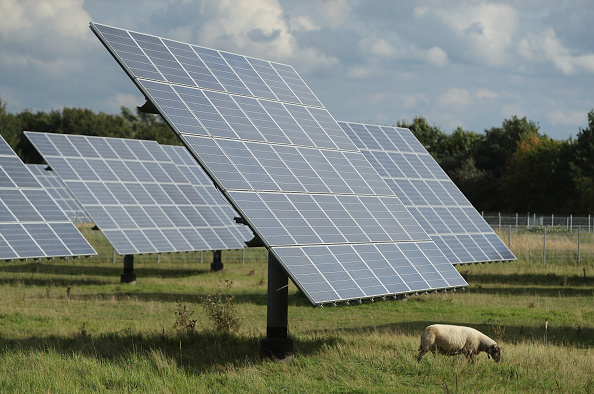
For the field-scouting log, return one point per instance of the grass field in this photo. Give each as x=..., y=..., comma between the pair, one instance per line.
x=70, y=326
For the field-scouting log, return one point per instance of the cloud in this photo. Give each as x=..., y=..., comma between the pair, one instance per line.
x=455, y=97
x=568, y=118
x=459, y=97
x=485, y=30
x=547, y=47
x=258, y=28
x=45, y=35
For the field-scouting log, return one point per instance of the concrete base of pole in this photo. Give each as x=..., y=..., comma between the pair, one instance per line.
x=217, y=264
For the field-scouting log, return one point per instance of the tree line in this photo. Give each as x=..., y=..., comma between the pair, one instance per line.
x=510, y=168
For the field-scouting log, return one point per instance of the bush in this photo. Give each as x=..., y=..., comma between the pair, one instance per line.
x=221, y=311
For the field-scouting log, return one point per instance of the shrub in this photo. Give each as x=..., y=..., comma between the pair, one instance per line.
x=221, y=310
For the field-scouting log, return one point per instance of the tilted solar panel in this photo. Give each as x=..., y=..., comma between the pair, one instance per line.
x=287, y=167
x=201, y=182
x=61, y=195
x=429, y=194
x=136, y=194
x=31, y=224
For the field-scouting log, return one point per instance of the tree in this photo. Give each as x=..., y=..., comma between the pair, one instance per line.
x=431, y=137
x=500, y=143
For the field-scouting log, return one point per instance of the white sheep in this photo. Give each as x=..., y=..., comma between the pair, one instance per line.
x=451, y=340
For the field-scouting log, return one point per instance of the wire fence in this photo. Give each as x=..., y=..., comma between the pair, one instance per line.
x=546, y=239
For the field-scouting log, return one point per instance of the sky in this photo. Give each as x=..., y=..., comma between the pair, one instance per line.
x=469, y=63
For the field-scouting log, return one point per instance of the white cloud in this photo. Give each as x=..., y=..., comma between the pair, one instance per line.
x=455, y=97
x=303, y=23
x=568, y=118
x=374, y=48
x=485, y=29
x=124, y=100
x=459, y=97
x=547, y=47
x=258, y=28
x=486, y=93
x=334, y=12
x=378, y=47
x=44, y=34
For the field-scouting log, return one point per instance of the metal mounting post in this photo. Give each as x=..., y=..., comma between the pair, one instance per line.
x=128, y=276
x=277, y=345
x=217, y=264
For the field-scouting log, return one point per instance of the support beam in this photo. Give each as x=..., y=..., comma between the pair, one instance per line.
x=128, y=276
x=277, y=345
x=217, y=264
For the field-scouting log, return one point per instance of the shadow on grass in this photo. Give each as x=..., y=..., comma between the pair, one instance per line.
x=107, y=270
x=549, y=279
x=197, y=352
x=259, y=299
x=580, y=337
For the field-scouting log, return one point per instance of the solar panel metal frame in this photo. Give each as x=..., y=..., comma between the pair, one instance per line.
x=60, y=193
x=32, y=225
x=136, y=195
x=427, y=191
x=283, y=119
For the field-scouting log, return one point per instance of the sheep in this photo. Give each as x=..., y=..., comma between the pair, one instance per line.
x=451, y=340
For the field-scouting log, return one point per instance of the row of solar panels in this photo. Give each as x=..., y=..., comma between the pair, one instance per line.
x=350, y=211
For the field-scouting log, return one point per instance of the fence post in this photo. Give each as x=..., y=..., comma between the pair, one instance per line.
x=571, y=222
x=552, y=219
x=509, y=236
x=544, y=246
x=528, y=220
x=588, y=223
x=516, y=222
x=499, y=214
x=579, y=256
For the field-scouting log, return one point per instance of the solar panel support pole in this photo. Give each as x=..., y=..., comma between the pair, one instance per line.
x=217, y=264
x=128, y=276
x=277, y=345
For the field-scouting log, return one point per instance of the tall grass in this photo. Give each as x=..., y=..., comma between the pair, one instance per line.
x=70, y=326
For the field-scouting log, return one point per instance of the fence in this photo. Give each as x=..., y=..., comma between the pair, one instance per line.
x=547, y=239
x=570, y=222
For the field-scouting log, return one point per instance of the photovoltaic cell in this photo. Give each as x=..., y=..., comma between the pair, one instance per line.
x=430, y=195
x=138, y=195
x=290, y=171
x=61, y=195
x=32, y=225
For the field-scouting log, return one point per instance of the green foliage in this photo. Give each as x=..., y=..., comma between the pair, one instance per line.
x=222, y=311
x=183, y=321
x=511, y=168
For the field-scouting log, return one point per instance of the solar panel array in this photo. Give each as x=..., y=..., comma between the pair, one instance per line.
x=136, y=194
x=284, y=163
x=31, y=224
x=212, y=198
x=56, y=189
x=428, y=193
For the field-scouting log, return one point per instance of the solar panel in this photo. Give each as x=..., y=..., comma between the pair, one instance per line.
x=32, y=225
x=61, y=195
x=292, y=173
x=429, y=194
x=137, y=195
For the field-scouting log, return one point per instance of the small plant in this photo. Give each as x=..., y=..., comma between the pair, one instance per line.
x=498, y=332
x=221, y=310
x=182, y=319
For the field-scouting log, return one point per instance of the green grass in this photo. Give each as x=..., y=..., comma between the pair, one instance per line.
x=70, y=326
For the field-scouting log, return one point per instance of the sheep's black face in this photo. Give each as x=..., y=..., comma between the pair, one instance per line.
x=495, y=352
